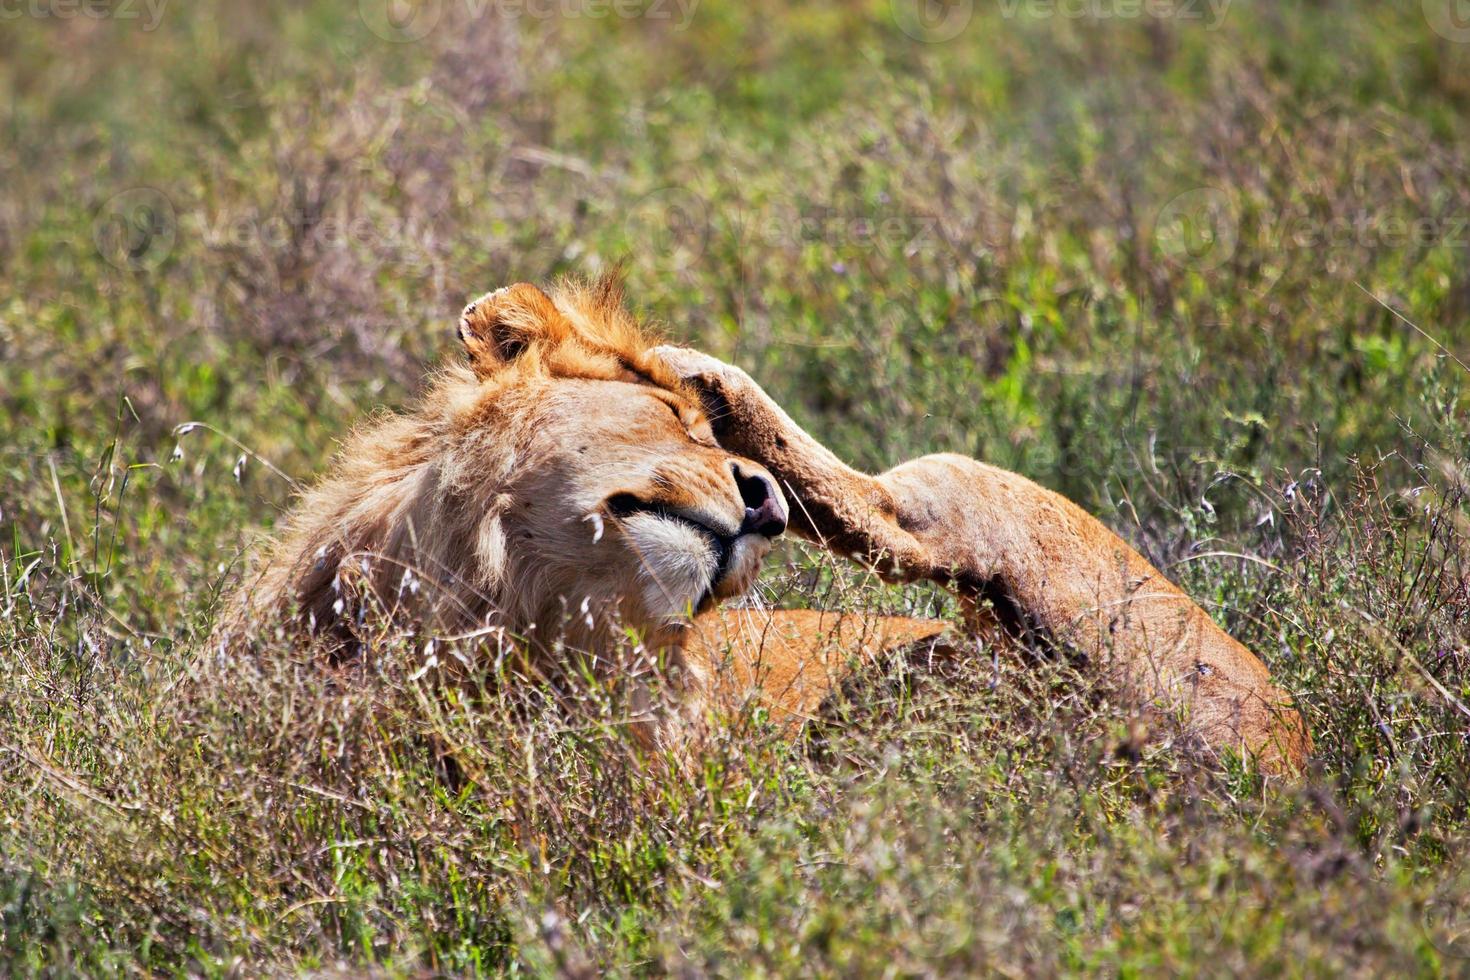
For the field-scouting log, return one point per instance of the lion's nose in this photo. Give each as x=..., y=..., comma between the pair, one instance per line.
x=764, y=511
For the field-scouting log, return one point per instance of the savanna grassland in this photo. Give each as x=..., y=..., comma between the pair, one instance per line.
x=1205, y=269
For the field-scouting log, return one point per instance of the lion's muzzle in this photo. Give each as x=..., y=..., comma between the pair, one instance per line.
x=765, y=511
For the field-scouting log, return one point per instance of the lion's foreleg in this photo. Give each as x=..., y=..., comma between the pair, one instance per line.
x=1017, y=552
x=1070, y=576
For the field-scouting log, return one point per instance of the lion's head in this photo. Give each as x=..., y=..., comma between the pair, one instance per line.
x=563, y=482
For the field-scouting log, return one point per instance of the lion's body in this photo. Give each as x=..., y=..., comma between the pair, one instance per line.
x=568, y=486
x=790, y=661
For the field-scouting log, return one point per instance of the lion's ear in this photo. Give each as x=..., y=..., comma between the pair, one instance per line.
x=501, y=326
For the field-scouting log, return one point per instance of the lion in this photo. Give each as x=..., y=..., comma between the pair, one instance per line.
x=571, y=484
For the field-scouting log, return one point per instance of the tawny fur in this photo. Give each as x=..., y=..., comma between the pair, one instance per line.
x=1023, y=558
x=487, y=508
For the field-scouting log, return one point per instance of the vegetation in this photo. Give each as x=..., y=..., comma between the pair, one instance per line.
x=1205, y=269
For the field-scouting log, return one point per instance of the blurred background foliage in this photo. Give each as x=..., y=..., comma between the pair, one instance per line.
x=1204, y=271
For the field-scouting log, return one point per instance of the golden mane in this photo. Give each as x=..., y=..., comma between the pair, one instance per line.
x=580, y=329
x=410, y=514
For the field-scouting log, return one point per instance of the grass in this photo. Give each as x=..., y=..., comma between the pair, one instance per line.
x=1208, y=279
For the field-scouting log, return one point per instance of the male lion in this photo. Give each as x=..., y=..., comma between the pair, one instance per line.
x=573, y=481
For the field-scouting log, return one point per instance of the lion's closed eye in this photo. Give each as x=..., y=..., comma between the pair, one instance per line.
x=694, y=424
x=701, y=433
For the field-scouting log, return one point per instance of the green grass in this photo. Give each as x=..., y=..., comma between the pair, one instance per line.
x=264, y=218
